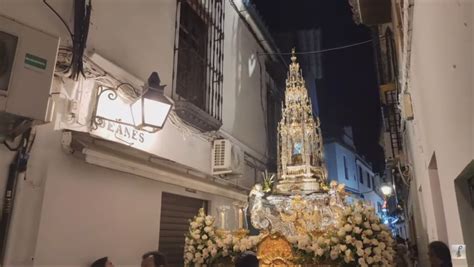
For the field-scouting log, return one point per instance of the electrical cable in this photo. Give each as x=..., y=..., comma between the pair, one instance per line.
x=62, y=20
x=323, y=50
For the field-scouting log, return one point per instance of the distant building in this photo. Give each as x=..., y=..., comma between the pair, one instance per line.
x=346, y=166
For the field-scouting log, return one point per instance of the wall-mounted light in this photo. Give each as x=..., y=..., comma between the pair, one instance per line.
x=386, y=189
x=151, y=110
x=148, y=112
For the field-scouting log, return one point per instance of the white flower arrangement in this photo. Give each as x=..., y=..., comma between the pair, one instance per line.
x=203, y=246
x=200, y=243
x=359, y=240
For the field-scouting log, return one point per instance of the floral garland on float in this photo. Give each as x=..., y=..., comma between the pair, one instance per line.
x=359, y=239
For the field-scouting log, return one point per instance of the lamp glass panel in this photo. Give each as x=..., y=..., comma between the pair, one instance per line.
x=156, y=112
x=136, y=110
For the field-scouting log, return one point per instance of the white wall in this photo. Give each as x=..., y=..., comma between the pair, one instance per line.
x=334, y=156
x=69, y=212
x=244, y=108
x=139, y=37
x=87, y=211
x=442, y=93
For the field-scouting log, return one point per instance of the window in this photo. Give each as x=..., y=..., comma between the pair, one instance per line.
x=361, y=175
x=199, y=52
x=346, y=171
x=368, y=180
x=373, y=181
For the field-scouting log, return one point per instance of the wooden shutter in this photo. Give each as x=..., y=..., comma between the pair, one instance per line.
x=176, y=211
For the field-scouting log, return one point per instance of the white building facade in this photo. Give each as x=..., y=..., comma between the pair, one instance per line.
x=89, y=193
x=346, y=166
x=429, y=51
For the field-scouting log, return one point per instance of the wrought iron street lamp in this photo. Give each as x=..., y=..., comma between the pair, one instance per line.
x=151, y=110
x=148, y=112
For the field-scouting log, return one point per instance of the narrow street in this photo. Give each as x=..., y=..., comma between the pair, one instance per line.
x=199, y=133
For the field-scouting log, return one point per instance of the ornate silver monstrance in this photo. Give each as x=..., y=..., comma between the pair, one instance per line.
x=300, y=158
x=301, y=201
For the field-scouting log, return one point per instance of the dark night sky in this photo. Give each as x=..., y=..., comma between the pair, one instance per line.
x=350, y=80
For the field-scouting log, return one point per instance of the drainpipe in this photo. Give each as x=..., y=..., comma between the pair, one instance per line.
x=17, y=167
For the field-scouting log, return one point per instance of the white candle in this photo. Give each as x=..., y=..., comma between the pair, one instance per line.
x=241, y=219
x=222, y=220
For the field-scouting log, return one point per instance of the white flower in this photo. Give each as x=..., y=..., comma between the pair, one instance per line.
x=205, y=253
x=204, y=237
x=357, y=230
x=321, y=240
x=359, y=244
x=375, y=227
x=347, y=228
x=377, y=250
x=348, y=239
x=197, y=255
x=368, y=232
x=189, y=256
x=368, y=251
x=360, y=252
x=334, y=240
x=367, y=225
x=225, y=252
x=347, y=211
x=347, y=259
x=365, y=240
x=334, y=254
x=370, y=260
x=199, y=220
x=375, y=242
x=341, y=233
x=362, y=262
x=320, y=251
x=357, y=218
x=342, y=247
x=377, y=258
x=194, y=225
x=292, y=239
x=207, y=229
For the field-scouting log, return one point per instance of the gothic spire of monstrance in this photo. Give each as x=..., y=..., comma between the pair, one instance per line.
x=300, y=159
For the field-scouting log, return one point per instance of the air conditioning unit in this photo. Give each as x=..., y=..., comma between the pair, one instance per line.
x=227, y=158
x=27, y=62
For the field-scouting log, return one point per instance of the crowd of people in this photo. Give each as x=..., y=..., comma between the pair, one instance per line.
x=406, y=256
x=149, y=259
x=157, y=259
